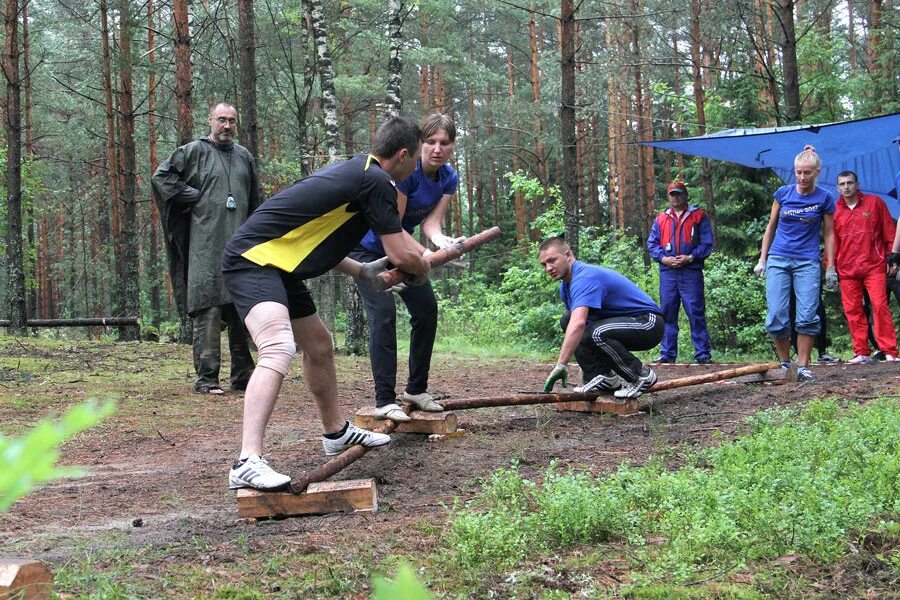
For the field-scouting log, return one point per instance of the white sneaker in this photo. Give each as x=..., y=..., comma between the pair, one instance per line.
x=636, y=388
x=860, y=359
x=255, y=472
x=392, y=412
x=423, y=401
x=353, y=436
x=890, y=358
x=601, y=383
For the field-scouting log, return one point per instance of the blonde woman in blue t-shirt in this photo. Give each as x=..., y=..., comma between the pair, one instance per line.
x=790, y=260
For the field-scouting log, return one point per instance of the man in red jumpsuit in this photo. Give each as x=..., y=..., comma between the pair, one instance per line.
x=863, y=235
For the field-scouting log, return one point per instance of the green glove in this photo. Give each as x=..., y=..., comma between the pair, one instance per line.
x=560, y=371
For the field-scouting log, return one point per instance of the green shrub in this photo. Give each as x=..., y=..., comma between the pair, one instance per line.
x=797, y=484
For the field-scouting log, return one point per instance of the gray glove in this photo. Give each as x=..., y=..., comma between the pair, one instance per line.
x=370, y=271
x=760, y=268
x=417, y=280
x=400, y=287
x=831, y=278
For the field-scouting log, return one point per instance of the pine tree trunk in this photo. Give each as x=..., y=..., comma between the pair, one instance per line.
x=247, y=61
x=131, y=285
x=184, y=120
x=699, y=104
x=108, y=211
x=15, y=265
x=153, y=266
x=567, y=135
x=31, y=298
x=393, y=99
x=789, y=67
x=326, y=78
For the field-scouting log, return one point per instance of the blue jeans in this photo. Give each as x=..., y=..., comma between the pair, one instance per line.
x=787, y=276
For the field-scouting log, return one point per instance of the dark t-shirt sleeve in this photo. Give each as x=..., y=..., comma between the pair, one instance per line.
x=378, y=199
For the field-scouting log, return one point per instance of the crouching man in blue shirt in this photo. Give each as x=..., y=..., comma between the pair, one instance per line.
x=607, y=316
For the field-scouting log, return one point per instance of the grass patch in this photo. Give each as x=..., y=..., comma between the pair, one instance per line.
x=796, y=485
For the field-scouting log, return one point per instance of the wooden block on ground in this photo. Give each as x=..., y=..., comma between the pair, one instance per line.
x=24, y=579
x=770, y=375
x=355, y=495
x=422, y=422
x=601, y=405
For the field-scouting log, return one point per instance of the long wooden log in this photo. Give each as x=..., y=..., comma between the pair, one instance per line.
x=86, y=322
x=714, y=376
x=440, y=257
x=353, y=454
x=538, y=398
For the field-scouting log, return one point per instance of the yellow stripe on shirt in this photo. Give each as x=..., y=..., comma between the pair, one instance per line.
x=289, y=250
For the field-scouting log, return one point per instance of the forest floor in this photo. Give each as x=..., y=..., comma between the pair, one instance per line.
x=152, y=516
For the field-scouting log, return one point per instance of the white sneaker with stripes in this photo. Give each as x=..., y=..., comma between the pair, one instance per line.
x=601, y=383
x=353, y=436
x=255, y=472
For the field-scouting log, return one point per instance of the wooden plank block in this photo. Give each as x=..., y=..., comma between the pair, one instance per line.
x=601, y=405
x=357, y=495
x=422, y=422
x=24, y=579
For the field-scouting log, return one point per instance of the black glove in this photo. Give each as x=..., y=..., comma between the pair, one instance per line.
x=894, y=259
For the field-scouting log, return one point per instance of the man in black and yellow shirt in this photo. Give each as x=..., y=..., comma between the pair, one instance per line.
x=300, y=233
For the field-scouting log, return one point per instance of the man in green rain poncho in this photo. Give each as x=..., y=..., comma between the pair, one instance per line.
x=205, y=190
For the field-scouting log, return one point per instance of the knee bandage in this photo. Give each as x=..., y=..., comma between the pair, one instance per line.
x=275, y=340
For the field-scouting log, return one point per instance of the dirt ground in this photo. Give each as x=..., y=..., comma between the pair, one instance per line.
x=158, y=467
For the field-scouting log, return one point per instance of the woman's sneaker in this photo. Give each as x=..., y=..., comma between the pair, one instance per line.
x=255, y=472
x=636, y=388
x=601, y=383
x=352, y=436
x=860, y=359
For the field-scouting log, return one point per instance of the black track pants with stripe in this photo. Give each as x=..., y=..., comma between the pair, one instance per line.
x=606, y=344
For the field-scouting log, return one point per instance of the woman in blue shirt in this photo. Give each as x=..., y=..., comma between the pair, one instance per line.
x=422, y=198
x=790, y=260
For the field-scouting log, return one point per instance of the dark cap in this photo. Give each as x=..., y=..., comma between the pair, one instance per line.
x=676, y=186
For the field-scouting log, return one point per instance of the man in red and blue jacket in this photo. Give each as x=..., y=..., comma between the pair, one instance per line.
x=680, y=241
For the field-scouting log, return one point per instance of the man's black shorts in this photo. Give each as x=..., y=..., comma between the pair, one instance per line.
x=249, y=284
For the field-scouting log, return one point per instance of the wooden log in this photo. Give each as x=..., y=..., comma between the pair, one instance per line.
x=714, y=376
x=554, y=397
x=24, y=579
x=357, y=495
x=422, y=422
x=86, y=322
x=336, y=464
x=778, y=374
x=602, y=405
x=440, y=257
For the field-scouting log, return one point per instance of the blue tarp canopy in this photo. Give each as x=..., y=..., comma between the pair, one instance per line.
x=866, y=146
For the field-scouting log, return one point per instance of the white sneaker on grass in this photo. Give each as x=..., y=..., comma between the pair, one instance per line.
x=255, y=472
x=352, y=436
x=393, y=412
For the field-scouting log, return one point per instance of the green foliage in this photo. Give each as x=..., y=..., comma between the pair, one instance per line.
x=797, y=484
x=31, y=460
x=406, y=586
x=736, y=304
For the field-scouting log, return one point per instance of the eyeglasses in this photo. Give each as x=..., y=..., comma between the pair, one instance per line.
x=223, y=120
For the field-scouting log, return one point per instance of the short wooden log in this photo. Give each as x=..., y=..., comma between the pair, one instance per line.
x=422, y=422
x=601, y=405
x=324, y=497
x=24, y=579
